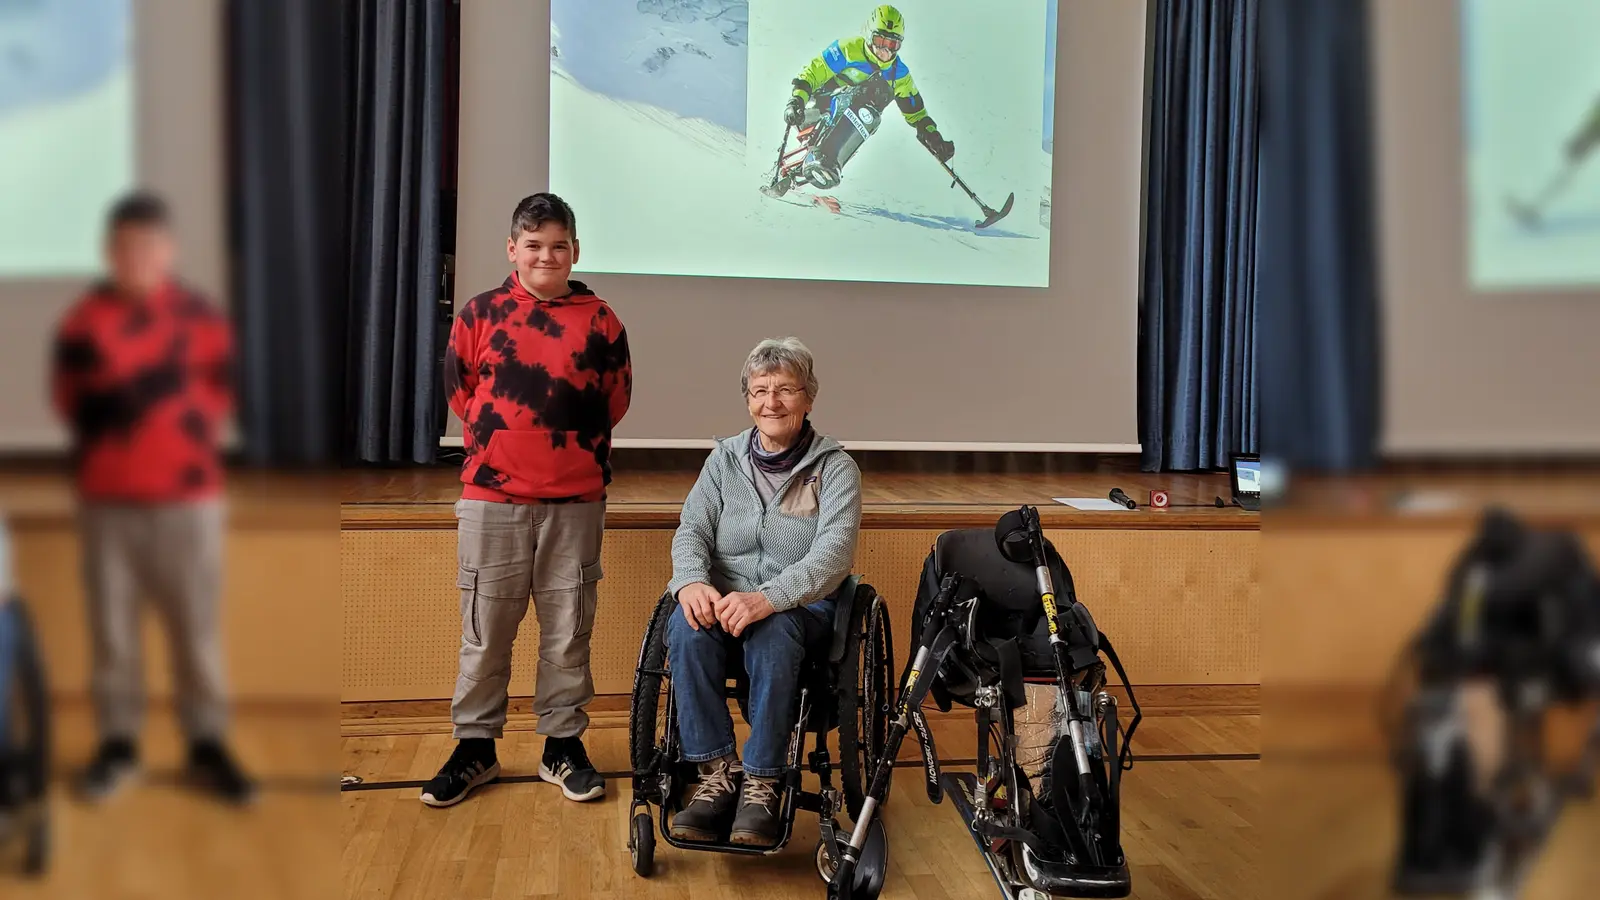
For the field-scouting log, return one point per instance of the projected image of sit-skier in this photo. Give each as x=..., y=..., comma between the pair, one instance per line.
x=1569, y=200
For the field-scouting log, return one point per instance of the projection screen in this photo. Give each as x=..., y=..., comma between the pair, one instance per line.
x=661, y=121
x=97, y=97
x=1488, y=143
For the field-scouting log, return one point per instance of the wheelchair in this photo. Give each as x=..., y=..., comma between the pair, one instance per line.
x=24, y=745
x=997, y=612
x=845, y=686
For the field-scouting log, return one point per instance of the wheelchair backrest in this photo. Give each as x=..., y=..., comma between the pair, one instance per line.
x=1008, y=632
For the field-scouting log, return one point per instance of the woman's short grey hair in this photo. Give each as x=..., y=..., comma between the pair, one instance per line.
x=780, y=354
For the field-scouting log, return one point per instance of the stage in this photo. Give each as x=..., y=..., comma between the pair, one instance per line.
x=348, y=581
x=423, y=498
x=1176, y=588
x=362, y=594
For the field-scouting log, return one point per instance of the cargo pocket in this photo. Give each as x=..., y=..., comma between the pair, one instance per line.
x=467, y=581
x=588, y=597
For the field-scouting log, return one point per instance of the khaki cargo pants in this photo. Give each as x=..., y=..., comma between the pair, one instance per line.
x=507, y=552
x=170, y=555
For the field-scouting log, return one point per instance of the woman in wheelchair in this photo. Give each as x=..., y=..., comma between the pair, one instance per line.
x=766, y=539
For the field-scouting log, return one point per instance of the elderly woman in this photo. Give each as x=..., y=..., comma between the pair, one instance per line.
x=766, y=538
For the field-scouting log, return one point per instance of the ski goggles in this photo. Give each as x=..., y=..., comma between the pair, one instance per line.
x=886, y=40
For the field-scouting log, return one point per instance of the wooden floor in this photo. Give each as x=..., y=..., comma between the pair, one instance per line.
x=160, y=840
x=1331, y=830
x=1189, y=813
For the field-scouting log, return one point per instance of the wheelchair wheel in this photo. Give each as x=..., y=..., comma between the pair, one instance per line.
x=866, y=684
x=651, y=682
x=866, y=882
x=642, y=844
x=25, y=752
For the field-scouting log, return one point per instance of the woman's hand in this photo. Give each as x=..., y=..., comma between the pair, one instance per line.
x=741, y=609
x=699, y=602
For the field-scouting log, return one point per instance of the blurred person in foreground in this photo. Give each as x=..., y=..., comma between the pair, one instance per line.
x=142, y=378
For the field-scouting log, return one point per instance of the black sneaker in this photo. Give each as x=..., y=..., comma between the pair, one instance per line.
x=706, y=816
x=566, y=764
x=212, y=769
x=115, y=763
x=471, y=764
x=757, y=824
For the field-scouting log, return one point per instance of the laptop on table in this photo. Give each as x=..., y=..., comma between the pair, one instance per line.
x=1247, y=480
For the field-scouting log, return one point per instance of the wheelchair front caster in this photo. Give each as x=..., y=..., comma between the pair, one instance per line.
x=866, y=881
x=642, y=845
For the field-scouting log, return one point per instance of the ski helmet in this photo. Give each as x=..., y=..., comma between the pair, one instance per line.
x=888, y=25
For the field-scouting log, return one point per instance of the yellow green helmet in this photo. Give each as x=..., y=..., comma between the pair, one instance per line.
x=887, y=22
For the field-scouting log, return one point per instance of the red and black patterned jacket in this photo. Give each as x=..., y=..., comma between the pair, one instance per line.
x=144, y=385
x=539, y=385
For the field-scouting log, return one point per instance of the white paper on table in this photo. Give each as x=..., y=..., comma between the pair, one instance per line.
x=1090, y=503
x=1426, y=502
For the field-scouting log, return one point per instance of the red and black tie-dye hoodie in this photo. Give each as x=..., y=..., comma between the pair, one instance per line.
x=144, y=385
x=539, y=385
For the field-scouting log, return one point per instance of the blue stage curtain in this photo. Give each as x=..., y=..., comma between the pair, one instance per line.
x=1317, y=255
x=400, y=53
x=1197, y=306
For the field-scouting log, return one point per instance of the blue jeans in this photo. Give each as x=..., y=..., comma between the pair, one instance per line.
x=773, y=651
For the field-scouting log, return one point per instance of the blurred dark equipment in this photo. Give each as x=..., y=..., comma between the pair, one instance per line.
x=1521, y=613
x=24, y=737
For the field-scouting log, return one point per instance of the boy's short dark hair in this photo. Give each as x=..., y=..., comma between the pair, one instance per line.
x=537, y=209
x=139, y=208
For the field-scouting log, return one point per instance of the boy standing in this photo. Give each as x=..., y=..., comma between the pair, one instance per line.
x=538, y=370
x=142, y=377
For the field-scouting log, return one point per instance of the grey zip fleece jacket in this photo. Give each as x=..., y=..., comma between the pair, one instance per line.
x=796, y=551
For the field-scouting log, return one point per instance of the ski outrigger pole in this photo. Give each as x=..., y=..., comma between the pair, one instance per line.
x=991, y=215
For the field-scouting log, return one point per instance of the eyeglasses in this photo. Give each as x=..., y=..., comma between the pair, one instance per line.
x=784, y=393
x=885, y=40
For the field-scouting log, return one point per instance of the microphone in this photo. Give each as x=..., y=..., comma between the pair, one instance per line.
x=1117, y=496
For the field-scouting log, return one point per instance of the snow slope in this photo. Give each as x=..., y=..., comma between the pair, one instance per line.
x=684, y=56
x=1050, y=25
x=65, y=162
x=66, y=130
x=54, y=50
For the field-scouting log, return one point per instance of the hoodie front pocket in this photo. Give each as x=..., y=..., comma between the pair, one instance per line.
x=542, y=463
